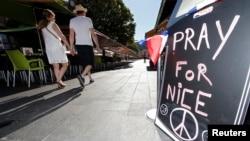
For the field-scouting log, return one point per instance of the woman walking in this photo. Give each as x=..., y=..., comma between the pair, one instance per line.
x=55, y=52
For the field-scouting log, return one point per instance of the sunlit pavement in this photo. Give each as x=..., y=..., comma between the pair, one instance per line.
x=113, y=108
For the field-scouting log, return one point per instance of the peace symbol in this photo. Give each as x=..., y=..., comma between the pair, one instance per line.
x=184, y=124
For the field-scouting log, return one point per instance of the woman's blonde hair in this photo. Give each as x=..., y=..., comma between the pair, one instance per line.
x=45, y=15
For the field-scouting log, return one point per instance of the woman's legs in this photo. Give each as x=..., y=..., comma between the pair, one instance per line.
x=62, y=71
x=59, y=72
x=56, y=71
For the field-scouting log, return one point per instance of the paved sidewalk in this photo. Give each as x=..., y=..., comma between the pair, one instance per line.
x=112, y=108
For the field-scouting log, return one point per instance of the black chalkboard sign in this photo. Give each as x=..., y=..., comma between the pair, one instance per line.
x=206, y=75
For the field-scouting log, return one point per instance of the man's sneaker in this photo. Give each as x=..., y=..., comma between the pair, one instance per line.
x=91, y=81
x=81, y=80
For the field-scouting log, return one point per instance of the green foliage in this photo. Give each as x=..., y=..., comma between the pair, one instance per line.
x=116, y=59
x=134, y=46
x=61, y=2
x=97, y=59
x=112, y=18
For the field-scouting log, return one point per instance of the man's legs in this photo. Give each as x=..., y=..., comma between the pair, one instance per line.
x=87, y=71
x=87, y=57
x=89, y=75
x=90, y=78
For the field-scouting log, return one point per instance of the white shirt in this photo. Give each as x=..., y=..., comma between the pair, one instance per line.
x=81, y=26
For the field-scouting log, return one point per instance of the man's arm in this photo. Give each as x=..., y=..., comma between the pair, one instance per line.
x=71, y=37
x=71, y=40
x=95, y=39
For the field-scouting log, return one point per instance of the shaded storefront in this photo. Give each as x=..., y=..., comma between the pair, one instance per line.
x=28, y=12
x=18, y=19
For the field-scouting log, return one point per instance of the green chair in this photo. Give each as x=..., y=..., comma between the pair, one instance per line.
x=21, y=63
x=98, y=65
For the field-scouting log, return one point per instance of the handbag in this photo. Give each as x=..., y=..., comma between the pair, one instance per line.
x=63, y=45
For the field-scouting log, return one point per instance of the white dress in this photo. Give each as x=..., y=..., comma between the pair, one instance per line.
x=53, y=46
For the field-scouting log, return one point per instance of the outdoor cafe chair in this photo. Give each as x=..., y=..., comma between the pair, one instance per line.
x=21, y=63
x=5, y=67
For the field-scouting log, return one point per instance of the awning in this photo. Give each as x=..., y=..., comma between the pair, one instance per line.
x=23, y=11
x=17, y=29
x=110, y=44
x=156, y=30
x=18, y=12
x=105, y=41
x=53, y=4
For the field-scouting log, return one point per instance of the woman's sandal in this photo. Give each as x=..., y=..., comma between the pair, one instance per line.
x=61, y=85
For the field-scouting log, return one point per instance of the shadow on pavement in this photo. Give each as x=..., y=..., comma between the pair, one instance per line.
x=20, y=87
x=18, y=112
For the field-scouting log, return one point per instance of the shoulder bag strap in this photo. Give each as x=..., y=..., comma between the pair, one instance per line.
x=53, y=34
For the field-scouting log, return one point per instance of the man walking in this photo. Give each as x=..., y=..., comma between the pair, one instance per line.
x=81, y=34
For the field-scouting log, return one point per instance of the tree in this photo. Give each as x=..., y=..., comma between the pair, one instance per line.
x=134, y=46
x=61, y=2
x=112, y=18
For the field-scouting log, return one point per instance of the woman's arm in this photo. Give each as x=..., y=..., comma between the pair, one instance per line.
x=60, y=34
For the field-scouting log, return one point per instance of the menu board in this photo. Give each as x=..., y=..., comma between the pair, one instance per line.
x=206, y=75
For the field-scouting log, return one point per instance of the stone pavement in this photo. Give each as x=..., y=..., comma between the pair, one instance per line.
x=112, y=108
